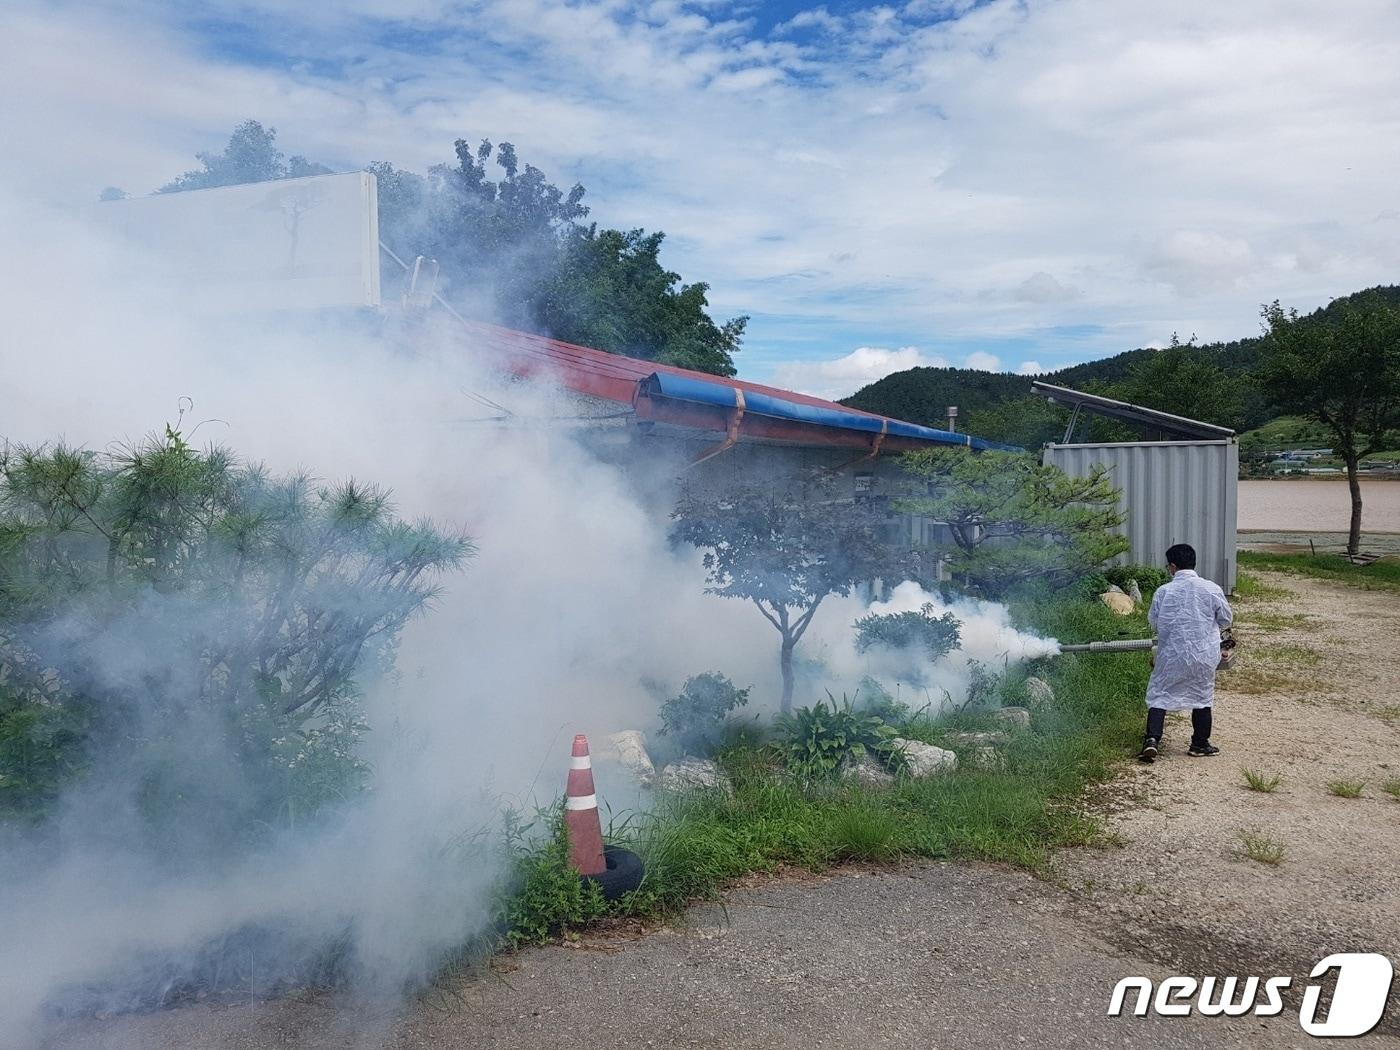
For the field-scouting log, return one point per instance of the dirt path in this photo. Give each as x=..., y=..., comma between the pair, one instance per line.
x=966, y=956
x=1315, y=700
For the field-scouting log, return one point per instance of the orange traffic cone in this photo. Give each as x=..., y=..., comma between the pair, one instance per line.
x=581, y=814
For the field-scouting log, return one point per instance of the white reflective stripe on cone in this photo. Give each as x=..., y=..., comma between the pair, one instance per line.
x=580, y=762
x=581, y=802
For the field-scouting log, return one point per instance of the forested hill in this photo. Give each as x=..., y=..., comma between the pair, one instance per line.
x=1211, y=382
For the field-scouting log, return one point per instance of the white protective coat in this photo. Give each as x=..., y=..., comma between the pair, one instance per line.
x=1187, y=613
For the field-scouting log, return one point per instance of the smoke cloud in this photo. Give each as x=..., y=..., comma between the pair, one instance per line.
x=572, y=615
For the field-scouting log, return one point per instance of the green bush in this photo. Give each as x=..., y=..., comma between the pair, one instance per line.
x=936, y=635
x=695, y=718
x=1148, y=577
x=543, y=893
x=818, y=740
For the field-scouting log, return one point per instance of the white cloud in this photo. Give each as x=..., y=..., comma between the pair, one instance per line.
x=1029, y=368
x=845, y=375
x=983, y=361
x=1041, y=287
x=1138, y=161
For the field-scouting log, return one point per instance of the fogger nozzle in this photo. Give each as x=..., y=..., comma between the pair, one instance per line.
x=1126, y=645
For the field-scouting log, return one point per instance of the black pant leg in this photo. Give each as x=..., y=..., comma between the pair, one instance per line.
x=1156, y=720
x=1200, y=726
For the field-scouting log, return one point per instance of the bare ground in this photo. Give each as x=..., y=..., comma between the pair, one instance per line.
x=972, y=956
x=1315, y=700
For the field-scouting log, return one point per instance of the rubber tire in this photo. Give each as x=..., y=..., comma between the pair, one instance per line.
x=624, y=873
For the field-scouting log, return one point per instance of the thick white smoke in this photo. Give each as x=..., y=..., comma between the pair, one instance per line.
x=987, y=638
x=574, y=613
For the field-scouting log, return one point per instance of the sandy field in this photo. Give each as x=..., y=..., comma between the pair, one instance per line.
x=1317, y=505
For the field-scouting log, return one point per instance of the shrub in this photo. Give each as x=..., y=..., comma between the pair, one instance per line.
x=936, y=635
x=1346, y=788
x=196, y=631
x=1148, y=577
x=819, y=739
x=544, y=894
x=695, y=717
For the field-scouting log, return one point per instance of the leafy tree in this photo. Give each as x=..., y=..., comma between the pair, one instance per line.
x=786, y=548
x=1344, y=372
x=1029, y=421
x=1185, y=380
x=611, y=291
x=250, y=156
x=1014, y=519
x=199, y=625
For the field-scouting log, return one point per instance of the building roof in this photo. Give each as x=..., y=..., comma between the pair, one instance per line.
x=1163, y=423
x=661, y=393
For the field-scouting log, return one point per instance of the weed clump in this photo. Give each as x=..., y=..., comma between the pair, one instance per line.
x=1346, y=788
x=1264, y=782
x=1262, y=848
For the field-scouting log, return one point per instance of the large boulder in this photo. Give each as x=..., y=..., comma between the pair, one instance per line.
x=1118, y=602
x=629, y=750
x=1134, y=591
x=868, y=772
x=1038, y=692
x=694, y=774
x=926, y=760
x=1014, y=718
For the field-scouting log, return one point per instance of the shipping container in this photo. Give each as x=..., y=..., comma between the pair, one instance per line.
x=1171, y=492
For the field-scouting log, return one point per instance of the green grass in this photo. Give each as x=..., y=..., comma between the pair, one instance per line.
x=1019, y=813
x=1346, y=788
x=1263, y=848
x=1384, y=575
x=1392, y=788
x=1264, y=782
x=1251, y=589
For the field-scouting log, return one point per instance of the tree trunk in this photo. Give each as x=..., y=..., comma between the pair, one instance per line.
x=1354, y=483
x=786, y=662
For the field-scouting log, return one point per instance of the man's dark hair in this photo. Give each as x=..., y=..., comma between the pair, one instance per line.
x=1182, y=555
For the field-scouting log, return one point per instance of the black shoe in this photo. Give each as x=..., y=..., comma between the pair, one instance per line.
x=1149, y=750
x=1202, y=751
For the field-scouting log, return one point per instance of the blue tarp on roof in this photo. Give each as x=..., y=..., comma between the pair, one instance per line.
x=721, y=395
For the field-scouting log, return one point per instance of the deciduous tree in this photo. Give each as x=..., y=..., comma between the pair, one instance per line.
x=786, y=546
x=1340, y=367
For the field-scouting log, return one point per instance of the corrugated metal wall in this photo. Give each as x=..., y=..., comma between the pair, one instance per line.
x=1173, y=492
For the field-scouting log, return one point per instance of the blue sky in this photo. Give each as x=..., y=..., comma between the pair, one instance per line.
x=1011, y=185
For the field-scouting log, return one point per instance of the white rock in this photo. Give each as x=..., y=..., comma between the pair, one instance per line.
x=867, y=772
x=629, y=750
x=926, y=760
x=1135, y=592
x=1117, y=601
x=695, y=774
x=987, y=758
x=1039, y=692
x=1014, y=718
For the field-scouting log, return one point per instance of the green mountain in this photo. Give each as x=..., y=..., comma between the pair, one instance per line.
x=1213, y=383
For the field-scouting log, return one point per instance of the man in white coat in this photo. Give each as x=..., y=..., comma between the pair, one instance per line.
x=1187, y=613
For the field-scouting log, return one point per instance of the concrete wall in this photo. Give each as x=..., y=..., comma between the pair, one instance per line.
x=1172, y=492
